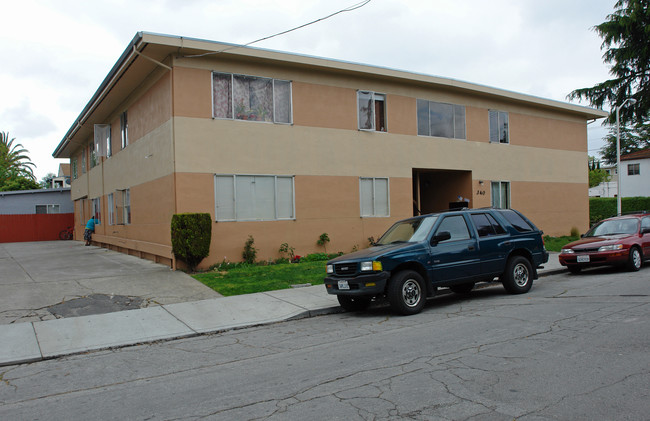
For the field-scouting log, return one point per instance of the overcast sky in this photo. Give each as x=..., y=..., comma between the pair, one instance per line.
x=56, y=53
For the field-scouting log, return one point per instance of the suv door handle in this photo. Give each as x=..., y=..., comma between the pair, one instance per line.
x=506, y=243
x=471, y=248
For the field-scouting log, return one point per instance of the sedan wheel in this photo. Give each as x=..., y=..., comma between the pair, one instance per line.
x=635, y=260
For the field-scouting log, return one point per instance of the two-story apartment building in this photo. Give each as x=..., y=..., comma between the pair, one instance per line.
x=285, y=147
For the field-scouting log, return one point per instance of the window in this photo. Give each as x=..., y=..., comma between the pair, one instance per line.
x=111, y=210
x=645, y=222
x=517, y=221
x=371, y=110
x=75, y=169
x=93, y=156
x=486, y=225
x=253, y=197
x=456, y=226
x=633, y=169
x=374, y=195
x=124, y=130
x=251, y=98
x=83, y=161
x=102, y=141
x=501, y=194
x=499, y=127
x=123, y=206
x=441, y=120
x=41, y=209
x=97, y=209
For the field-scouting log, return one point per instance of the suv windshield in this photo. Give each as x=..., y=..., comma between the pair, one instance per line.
x=614, y=226
x=408, y=231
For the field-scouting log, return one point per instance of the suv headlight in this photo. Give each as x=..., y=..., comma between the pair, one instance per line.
x=330, y=268
x=371, y=266
x=611, y=247
x=567, y=251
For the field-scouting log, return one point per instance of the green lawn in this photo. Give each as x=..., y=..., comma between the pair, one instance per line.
x=556, y=243
x=247, y=279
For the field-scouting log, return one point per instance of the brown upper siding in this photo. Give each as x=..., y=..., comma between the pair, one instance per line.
x=401, y=115
x=151, y=110
x=477, y=124
x=526, y=130
x=192, y=92
x=324, y=106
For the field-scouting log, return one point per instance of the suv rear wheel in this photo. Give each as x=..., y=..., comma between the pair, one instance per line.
x=406, y=292
x=518, y=277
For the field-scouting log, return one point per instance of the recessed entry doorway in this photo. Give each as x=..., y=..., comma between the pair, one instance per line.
x=436, y=189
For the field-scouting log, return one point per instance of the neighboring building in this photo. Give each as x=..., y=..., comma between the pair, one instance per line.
x=34, y=215
x=635, y=174
x=607, y=188
x=286, y=147
x=63, y=177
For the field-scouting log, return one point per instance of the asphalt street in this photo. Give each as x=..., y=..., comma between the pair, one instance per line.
x=573, y=348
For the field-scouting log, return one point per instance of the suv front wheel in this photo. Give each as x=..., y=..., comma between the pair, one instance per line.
x=406, y=292
x=518, y=277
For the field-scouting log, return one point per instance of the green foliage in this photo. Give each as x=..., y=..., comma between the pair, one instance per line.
x=191, y=237
x=14, y=160
x=323, y=239
x=632, y=140
x=626, y=41
x=597, y=176
x=250, y=252
x=11, y=180
x=285, y=248
x=556, y=243
x=605, y=207
x=319, y=257
x=247, y=279
x=575, y=232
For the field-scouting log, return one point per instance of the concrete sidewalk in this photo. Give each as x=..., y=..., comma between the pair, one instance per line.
x=28, y=342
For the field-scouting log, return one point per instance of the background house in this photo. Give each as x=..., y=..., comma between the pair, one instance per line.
x=34, y=215
x=285, y=147
x=635, y=174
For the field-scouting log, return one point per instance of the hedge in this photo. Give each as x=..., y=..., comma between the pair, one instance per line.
x=191, y=237
x=605, y=207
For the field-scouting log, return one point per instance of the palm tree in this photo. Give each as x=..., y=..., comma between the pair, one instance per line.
x=14, y=158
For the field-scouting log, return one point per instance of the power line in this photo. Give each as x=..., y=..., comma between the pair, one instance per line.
x=347, y=9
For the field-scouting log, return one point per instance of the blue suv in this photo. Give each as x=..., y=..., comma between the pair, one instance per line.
x=454, y=249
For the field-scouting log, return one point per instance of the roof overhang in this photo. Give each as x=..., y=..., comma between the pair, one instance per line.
x=147, y=51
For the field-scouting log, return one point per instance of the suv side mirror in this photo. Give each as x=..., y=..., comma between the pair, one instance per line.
x=441, y=236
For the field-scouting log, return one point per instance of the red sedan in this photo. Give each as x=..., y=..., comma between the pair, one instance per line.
x=618, y=241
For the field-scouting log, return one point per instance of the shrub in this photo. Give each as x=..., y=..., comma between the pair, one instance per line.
x=323, y=239
x=250, y=252
x=575, y=232
x=191, y=237
x=605, y=207
x=285, y=248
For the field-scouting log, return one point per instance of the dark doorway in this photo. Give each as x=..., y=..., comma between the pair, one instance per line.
x=435, y=190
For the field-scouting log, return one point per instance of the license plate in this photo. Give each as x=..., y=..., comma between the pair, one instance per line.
x=583, y=259
x=344, y=285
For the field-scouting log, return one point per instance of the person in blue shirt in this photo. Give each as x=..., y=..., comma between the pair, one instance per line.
x=90, y=229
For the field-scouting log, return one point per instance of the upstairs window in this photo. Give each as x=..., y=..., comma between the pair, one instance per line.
x=440, y=120
x=251, y=98
x=75, y=168
x=83, y=161
x=124, y=130
x=371, y=111
x=499, y=130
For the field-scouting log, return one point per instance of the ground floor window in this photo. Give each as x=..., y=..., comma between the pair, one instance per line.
x=111, y=209
x=374, y=196
x=122, y=207
x=253, y=197
x=97, y=209
x=41, y=209
x=501, y=194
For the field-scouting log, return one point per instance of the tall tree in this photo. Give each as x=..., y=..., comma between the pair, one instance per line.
x=632, y=140
x=14, y=158
x=626, y=41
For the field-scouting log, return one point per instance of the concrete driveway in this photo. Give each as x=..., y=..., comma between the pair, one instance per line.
x=58, y=279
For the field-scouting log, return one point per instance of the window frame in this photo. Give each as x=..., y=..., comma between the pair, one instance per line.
x=452, y=239
x=501, y=183
x=111, y=209
x=373, y=108
x=454, y=117
x=49, y=209
x=75, y=168
x=499, y=116
x=374, y=197
x=237, y=218
x=633, y=169
x=124, y=130
x=232, y=98
x=96, y=209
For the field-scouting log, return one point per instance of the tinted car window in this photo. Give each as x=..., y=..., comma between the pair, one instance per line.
x=456, y=226
x=645, y=222
x=517, y=221
x=486, y=225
